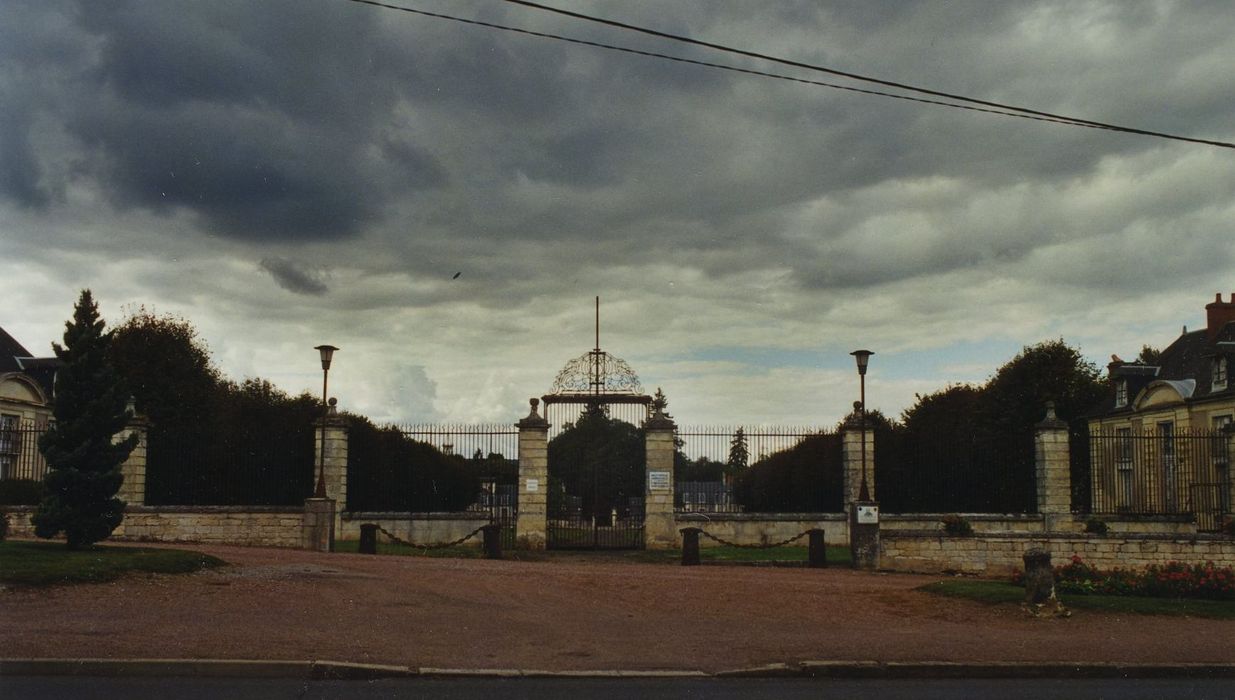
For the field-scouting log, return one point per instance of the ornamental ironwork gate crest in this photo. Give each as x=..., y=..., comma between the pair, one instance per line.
x=594, y=502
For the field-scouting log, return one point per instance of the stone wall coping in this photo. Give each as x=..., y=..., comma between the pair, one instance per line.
x=404, y=515
x=688, y=517
x=973, y=517
x=1059, y=536
x=155, y=510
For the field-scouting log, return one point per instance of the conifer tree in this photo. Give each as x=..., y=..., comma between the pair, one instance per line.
x=739, y=455
x=83, y=463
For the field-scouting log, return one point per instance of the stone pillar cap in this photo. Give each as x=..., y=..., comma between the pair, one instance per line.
x=533, y=419
x=1051, y=422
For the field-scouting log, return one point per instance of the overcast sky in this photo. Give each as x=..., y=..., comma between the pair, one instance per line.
x=286, y=174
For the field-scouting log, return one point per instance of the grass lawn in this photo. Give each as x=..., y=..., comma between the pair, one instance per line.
x=836, y=555
x=995, y=592
x=51, y=563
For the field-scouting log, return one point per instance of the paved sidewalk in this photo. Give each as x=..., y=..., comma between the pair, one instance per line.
x=590, y=614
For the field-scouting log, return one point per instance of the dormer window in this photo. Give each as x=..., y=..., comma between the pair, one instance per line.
x=1121, y=393
x=1219, y=373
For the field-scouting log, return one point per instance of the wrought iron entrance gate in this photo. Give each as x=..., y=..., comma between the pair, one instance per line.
x=586, y=515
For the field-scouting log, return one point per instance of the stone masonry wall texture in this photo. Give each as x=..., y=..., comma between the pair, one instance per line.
x=1000, y=555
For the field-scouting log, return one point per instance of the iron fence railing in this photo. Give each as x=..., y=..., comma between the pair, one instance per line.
x=20, y=457
x=466, y=440
x=1161, y=470
x=186, y=467
x=718, y=443
x=915, y=474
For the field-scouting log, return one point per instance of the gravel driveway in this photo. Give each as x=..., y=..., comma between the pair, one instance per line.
x=586, y=613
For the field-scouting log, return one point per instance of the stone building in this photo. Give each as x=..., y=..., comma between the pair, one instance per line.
x=26, y=384
x=1189, y=387
x=1161, y=441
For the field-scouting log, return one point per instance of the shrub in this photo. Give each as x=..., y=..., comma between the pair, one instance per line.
x=21, y=492
x=4, y=526
x=957, y=526
x=1096, y=526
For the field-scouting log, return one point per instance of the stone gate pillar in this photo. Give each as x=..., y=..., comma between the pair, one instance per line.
x=858, y=458
x=851, y=457
x=330, y=451
x=531, y=524
x=659, y=526
x=133, y=489
x=1052, y=471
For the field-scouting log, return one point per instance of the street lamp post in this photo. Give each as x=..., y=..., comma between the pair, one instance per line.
x=863, y=358
x=326, y=352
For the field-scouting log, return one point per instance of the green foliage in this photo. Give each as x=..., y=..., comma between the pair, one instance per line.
x=1149, y=355
x=600, y=459
x=83, y=474
x=982, y=437
x=701, y=469
x=957, y=526
x=806, y=478
x=404, y=475
x=739, y=452
x=22, y=492
x=167, y=366
x=42, y=564
x=212, y=441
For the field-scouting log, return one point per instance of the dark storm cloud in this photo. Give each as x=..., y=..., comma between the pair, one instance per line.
x=294, y=278
x=425, y=142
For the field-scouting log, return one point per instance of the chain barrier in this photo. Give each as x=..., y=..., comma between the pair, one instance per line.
x=727, y=543
x=440, y=545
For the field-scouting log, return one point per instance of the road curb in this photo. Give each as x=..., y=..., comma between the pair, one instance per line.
x=334, y=670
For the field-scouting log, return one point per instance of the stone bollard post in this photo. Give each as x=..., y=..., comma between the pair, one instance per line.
x=817, y=555
x=493, y=540
x=690, y=546
x=368, y=539
x=1040, y=596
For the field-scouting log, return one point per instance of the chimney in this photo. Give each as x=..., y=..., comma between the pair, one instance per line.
x=1217, y=314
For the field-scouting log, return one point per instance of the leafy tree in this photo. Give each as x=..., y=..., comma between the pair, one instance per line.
x=401, y=474
x=599, y=459
x=1149, y=355
x=167, y=366
x=83, y=462
x=806, y=478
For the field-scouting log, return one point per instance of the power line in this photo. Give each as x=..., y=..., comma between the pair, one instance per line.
x=987, y=108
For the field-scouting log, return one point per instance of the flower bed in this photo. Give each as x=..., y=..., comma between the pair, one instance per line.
x=1171, y=580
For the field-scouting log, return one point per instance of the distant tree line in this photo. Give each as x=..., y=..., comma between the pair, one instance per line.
x=963, y=448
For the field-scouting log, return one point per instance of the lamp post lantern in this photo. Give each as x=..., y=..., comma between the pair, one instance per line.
x=863, y=358
x=326, y=352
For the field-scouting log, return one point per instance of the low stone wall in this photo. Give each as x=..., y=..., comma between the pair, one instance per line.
x=420, y=528
x=981, y=522
x=261, y=526
x=1001, y=554
x=763, y=528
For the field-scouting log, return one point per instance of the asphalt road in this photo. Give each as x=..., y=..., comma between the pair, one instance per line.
x=96, y=688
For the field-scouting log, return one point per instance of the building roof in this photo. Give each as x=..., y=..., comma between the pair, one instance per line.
x=10, y=350
x=16, y=358
x=1186, y=365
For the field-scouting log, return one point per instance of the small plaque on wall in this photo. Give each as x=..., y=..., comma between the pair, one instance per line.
x=533, y=485
x=658, y=481
x=868, y=515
